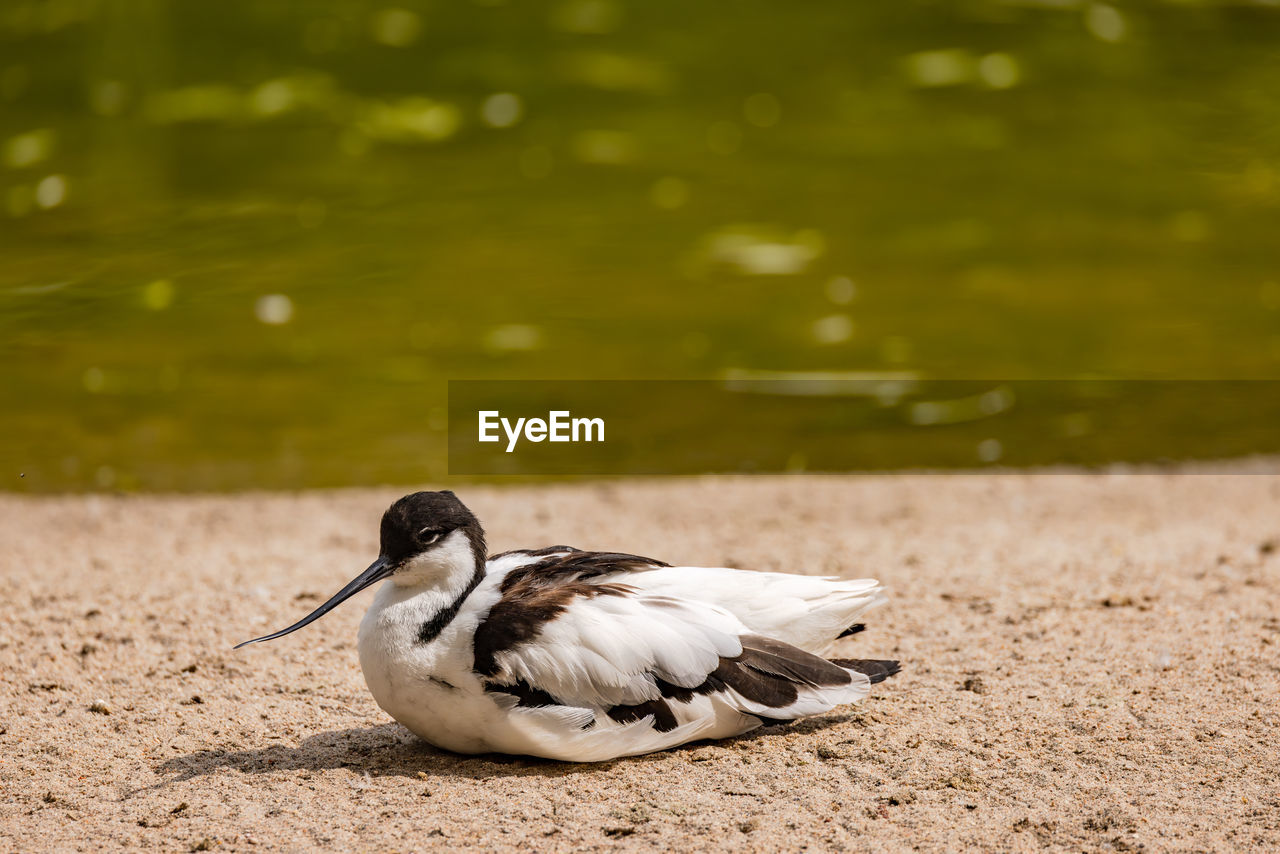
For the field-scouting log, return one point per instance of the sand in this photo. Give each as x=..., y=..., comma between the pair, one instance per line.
x=1091, y=663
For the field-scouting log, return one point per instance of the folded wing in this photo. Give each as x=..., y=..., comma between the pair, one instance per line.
x=584, y=641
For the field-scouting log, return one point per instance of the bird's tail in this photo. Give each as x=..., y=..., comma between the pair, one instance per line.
x=875, y=669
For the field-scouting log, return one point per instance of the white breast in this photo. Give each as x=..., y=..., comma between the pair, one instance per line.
x=429, y=688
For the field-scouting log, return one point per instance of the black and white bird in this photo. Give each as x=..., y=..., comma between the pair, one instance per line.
x=587, y=656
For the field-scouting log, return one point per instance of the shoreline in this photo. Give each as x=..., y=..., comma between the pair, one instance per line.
x=1088, y=663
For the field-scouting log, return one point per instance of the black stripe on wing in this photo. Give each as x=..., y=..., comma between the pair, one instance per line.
x=527, y=696
x=772, y=673
x=664, y=719
x=768, y=672
x=536, y=593
x=543, y=552
x=576, y=565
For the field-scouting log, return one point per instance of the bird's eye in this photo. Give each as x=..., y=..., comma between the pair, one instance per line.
x=427, y=536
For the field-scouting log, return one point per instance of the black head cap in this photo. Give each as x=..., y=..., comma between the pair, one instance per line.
x=417, y=522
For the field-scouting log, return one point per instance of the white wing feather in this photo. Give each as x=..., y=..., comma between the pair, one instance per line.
x=606, y=650
x=802, y=610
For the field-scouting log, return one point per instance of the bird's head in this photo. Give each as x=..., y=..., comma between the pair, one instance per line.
x=427, y=538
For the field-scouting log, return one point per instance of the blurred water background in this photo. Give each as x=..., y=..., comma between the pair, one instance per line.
x=245, y=244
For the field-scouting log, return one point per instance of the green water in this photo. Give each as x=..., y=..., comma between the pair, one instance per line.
x=246, y=244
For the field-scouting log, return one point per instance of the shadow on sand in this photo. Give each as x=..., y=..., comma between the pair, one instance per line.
x=389, y=750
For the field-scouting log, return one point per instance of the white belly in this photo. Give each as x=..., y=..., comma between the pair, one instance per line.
x=436, y=713
x=429, y=688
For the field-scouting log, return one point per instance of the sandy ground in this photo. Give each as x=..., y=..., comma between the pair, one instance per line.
x=1091, y=663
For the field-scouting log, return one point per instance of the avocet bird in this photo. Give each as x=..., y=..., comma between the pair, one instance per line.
x=587, y=656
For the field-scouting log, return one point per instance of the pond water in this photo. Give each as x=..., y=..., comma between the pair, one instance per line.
x=246, y=244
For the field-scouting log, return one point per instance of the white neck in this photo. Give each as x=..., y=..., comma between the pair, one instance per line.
x=449, y=567
x=425, y=589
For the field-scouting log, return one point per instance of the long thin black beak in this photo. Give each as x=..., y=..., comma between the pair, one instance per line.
x=377, y=571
